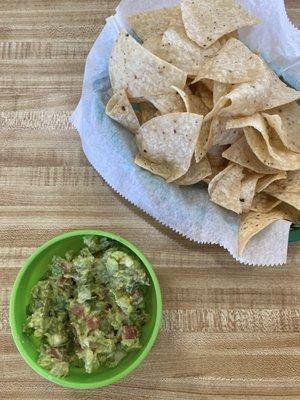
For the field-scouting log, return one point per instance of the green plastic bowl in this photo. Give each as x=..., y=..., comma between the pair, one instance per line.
x=32, y=271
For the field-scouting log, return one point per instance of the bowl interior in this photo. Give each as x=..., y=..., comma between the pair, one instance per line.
x=32, y=272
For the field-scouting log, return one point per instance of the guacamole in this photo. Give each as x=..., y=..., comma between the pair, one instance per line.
x=89, y=309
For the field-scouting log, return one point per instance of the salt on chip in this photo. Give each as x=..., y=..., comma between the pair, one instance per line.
x=147, y=23
x=206, y=21
x=225, y=188
x=196, y=172
x=285, y=120
x=264, y=93
x=240, y=152
x=254, y=222
x=119, y=109
x=169, y=140
x=266, y=180
x=263, y=202
x=233, y=64
x=139, y=72
x=265, y=144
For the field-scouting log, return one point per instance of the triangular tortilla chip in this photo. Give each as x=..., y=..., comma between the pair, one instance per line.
x=240, y=153
x=265, y=144
x=263, y=202
x=196, y=173
x=265, y=93
x=234, y=63
x=254, y=222
x=170, y=141
x=167, y=103
x=120, y=109
x=266, y=180
x=206, y=21
x=214, y=156
x=139, y=72
x=225, y=188
x=147, y=23
x=248, y=190
x=285, y=120
x=204, y=142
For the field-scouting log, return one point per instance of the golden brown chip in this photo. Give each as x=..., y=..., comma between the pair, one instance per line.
x=285, y=120
x=169, y=141
x=240, y=152
x=139, y=72
x=120, y=109
x=266, y=180
x=234, y=63
x=148, y=23
x=263, y=202
x=196, y=173
x=225, y=188
x=206, y=21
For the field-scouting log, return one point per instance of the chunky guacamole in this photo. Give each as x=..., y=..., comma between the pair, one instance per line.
x=89, y=309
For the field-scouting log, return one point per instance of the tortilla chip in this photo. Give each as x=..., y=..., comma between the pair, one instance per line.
x=224, y=39
x=254, y=222
x=154, y=45
x=205, y=94
x=248, y=190
x=234, y=63
x=287, y=190
x=119, y=109
x=167, y=103
x=193, y=104
x=145, y=24
x=148, y=111
x=214, y=156
x=225, y=188
x=139, y=72
x=204, y=142
x=221, y=135
x=263, y=202
x=265, y=181
x=265, y=144
x=220, y=89
x=157, y=169
x=196, y=173
x=265, y=93
x=240, y=153
x=285, y=120
x=170, y=141
x=209, y=83
x=182, y=52
x=206, y=21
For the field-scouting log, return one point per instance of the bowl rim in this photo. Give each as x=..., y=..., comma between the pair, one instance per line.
x=13, y=323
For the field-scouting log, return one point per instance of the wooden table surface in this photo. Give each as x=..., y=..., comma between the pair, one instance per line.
x=228, y=331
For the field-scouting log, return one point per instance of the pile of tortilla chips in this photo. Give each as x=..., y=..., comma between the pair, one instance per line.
x=203, y=107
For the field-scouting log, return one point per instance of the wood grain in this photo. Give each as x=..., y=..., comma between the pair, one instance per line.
x=228, y=331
